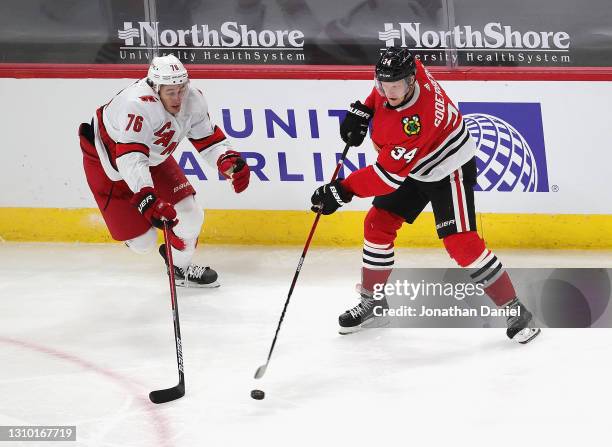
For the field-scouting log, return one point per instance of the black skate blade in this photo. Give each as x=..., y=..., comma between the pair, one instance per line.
x=371, y=323
x=261, y=371
x=167, y=395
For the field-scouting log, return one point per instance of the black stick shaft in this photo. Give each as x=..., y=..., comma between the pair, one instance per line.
x=299, y=267
x=175, y=311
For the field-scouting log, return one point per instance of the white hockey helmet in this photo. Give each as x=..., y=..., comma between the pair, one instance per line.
x=167, y=70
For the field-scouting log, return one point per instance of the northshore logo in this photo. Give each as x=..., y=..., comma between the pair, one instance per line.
x=493, y=36
x=494, y=43
x=229, y=35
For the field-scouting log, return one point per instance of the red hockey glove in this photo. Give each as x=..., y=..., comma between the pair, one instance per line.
x=233, y=166
x=155, y=210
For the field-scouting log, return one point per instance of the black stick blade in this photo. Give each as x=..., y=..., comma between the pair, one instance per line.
x=167, y=395
x=261, y=371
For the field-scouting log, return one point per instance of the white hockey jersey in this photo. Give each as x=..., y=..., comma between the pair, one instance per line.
x=134, y=131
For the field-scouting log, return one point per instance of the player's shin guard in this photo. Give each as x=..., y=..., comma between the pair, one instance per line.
x=193, y=275
x=469, y=251
x=184, y=244
x=182, y=254
x=377, y=266
x=190, y=217
x=380, y=230
x=143, y=243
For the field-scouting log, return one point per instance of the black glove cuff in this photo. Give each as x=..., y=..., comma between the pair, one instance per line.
x=361, y=110
x=239, y=164
x=145, y=202
x=341, y=195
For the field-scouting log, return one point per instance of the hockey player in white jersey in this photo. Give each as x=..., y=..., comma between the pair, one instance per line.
x=137, y=184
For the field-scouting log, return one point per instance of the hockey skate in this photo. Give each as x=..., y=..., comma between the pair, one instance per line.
x=518, y=325
x=193, y=276
x=364, y=315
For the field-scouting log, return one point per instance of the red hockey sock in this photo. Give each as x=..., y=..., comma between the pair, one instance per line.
x=373, y=280
x=469, y=251
x=501, y=291
x=380, y=230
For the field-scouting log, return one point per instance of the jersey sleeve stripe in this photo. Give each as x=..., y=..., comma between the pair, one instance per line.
x=450, y=141
x=451, y=148
x=204, y=143
x=446, y=155
x=392, y=180
x=126, y=148
x=398, y=178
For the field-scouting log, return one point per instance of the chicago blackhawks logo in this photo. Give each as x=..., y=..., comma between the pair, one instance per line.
x=411, y=125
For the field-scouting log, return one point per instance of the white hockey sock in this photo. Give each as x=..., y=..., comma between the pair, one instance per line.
x=190, y=217
x=182, y=258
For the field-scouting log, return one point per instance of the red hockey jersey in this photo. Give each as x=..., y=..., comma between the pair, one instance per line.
x=425, y=139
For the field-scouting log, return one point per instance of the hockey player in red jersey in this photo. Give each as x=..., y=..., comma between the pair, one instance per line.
x=425, y=155
x=137, y=184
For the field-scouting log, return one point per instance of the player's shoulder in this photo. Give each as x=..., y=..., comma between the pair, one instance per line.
x=196, y=101
x=421, y=69
x=423, y=75
x=196, y=94
x=139, y=98
x=375, y=98
x=141, y=95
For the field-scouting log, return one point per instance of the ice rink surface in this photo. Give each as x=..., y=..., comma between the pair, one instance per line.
x=86, y=333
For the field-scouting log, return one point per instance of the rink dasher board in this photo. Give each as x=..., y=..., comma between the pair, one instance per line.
x=289, y=128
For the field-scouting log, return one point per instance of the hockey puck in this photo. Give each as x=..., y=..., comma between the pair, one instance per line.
x=258, y=394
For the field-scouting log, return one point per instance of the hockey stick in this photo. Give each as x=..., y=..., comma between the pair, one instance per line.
x=178, y=391
x=262, y=369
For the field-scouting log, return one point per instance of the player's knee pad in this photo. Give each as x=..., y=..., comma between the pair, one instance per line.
x=465, y=247
x=380, y=226
x=143, y=243
x=190, y=216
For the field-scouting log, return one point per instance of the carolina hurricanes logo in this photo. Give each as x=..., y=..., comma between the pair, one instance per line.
x=165, y=135
x=411, y=125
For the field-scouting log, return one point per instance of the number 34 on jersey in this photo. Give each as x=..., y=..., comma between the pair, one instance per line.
x=398, y=152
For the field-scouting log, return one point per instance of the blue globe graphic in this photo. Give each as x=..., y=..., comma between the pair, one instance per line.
x=504, y=160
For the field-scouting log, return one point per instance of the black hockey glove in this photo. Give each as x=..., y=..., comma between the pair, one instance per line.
x=354, y=127
x=328, y=198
